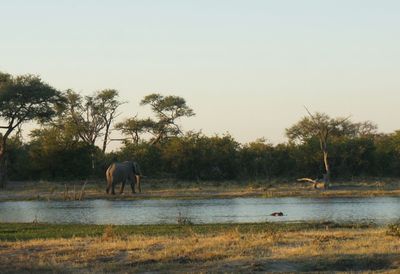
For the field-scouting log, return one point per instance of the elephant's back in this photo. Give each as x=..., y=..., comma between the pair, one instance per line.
x=119, y=171
x=121, y=166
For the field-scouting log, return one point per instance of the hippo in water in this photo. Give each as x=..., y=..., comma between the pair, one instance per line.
x=277, y=214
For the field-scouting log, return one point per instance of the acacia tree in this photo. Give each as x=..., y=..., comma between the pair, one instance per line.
x=92, y=116
x=85, y=116
x=108, y=103
x=23, y=98
x=167, y=109
x=134, y=128
x=323, y=127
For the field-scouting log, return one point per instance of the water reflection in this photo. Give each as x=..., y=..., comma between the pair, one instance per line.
x=377, y=209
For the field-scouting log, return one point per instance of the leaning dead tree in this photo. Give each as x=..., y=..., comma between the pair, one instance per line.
x=314, y=182
x=324, y=128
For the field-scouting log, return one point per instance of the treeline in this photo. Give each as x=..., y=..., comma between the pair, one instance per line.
x=198, y=157
x=74, y=131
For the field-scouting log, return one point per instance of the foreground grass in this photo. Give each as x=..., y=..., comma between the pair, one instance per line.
x=29, y=231
x=244, y=248
x=156, y=189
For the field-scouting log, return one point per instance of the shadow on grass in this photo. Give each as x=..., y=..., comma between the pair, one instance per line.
x=343, y=263
x=351, y=262
x=184, y=264
x=36, y=269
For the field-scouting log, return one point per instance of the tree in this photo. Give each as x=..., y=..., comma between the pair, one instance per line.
x=108, y=103
x=53, y=154
x=323, y=127
x=387, y=154
x=196, y=156
x=23, y=98
x=90, y=117
x=134, y=128
x=167, y=110
x=256, y=159
x=86, y=117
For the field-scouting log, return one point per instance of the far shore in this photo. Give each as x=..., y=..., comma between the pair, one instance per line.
x=170, y=189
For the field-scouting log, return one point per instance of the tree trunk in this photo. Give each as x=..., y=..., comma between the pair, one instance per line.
x=93, y=163
x=157, y=139
x=92, y=158
x=3, y=170
x=327, y=175
x=105, y=144
x=105, y=141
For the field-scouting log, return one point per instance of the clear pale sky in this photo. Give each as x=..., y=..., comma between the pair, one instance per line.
x=245, y=67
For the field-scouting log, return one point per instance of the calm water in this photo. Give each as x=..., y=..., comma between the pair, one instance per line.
x=379, y=210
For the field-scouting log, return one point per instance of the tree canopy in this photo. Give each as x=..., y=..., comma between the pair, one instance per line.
x=167, y=110
x=323, y=127
x=23, y=98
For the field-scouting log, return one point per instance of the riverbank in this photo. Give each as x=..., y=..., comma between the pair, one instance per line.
x=164, y=189
x=244, y=248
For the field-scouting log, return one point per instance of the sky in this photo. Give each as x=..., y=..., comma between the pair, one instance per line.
x=245, y=67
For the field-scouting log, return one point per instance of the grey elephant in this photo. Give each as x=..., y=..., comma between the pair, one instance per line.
x=122, y=172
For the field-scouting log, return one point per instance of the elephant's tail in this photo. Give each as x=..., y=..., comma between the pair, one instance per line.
x=108, y=179
x=109, y=175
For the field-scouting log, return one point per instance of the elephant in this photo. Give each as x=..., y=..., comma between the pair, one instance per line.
x=122, y=172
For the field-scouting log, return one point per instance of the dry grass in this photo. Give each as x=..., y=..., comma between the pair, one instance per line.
x=231, y=250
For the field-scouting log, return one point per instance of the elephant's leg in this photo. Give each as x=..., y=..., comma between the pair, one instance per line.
x=137, y=177
x=133, y=186
x=113, y=188
x=122, y=187
x=108, y=188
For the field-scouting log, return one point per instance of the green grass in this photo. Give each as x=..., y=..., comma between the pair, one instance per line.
x=27, y=231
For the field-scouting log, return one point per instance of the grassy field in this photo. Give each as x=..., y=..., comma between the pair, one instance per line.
x=244, y=248
x=155, y=189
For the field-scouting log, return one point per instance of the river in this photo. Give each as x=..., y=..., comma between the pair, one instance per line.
x=381, y=210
